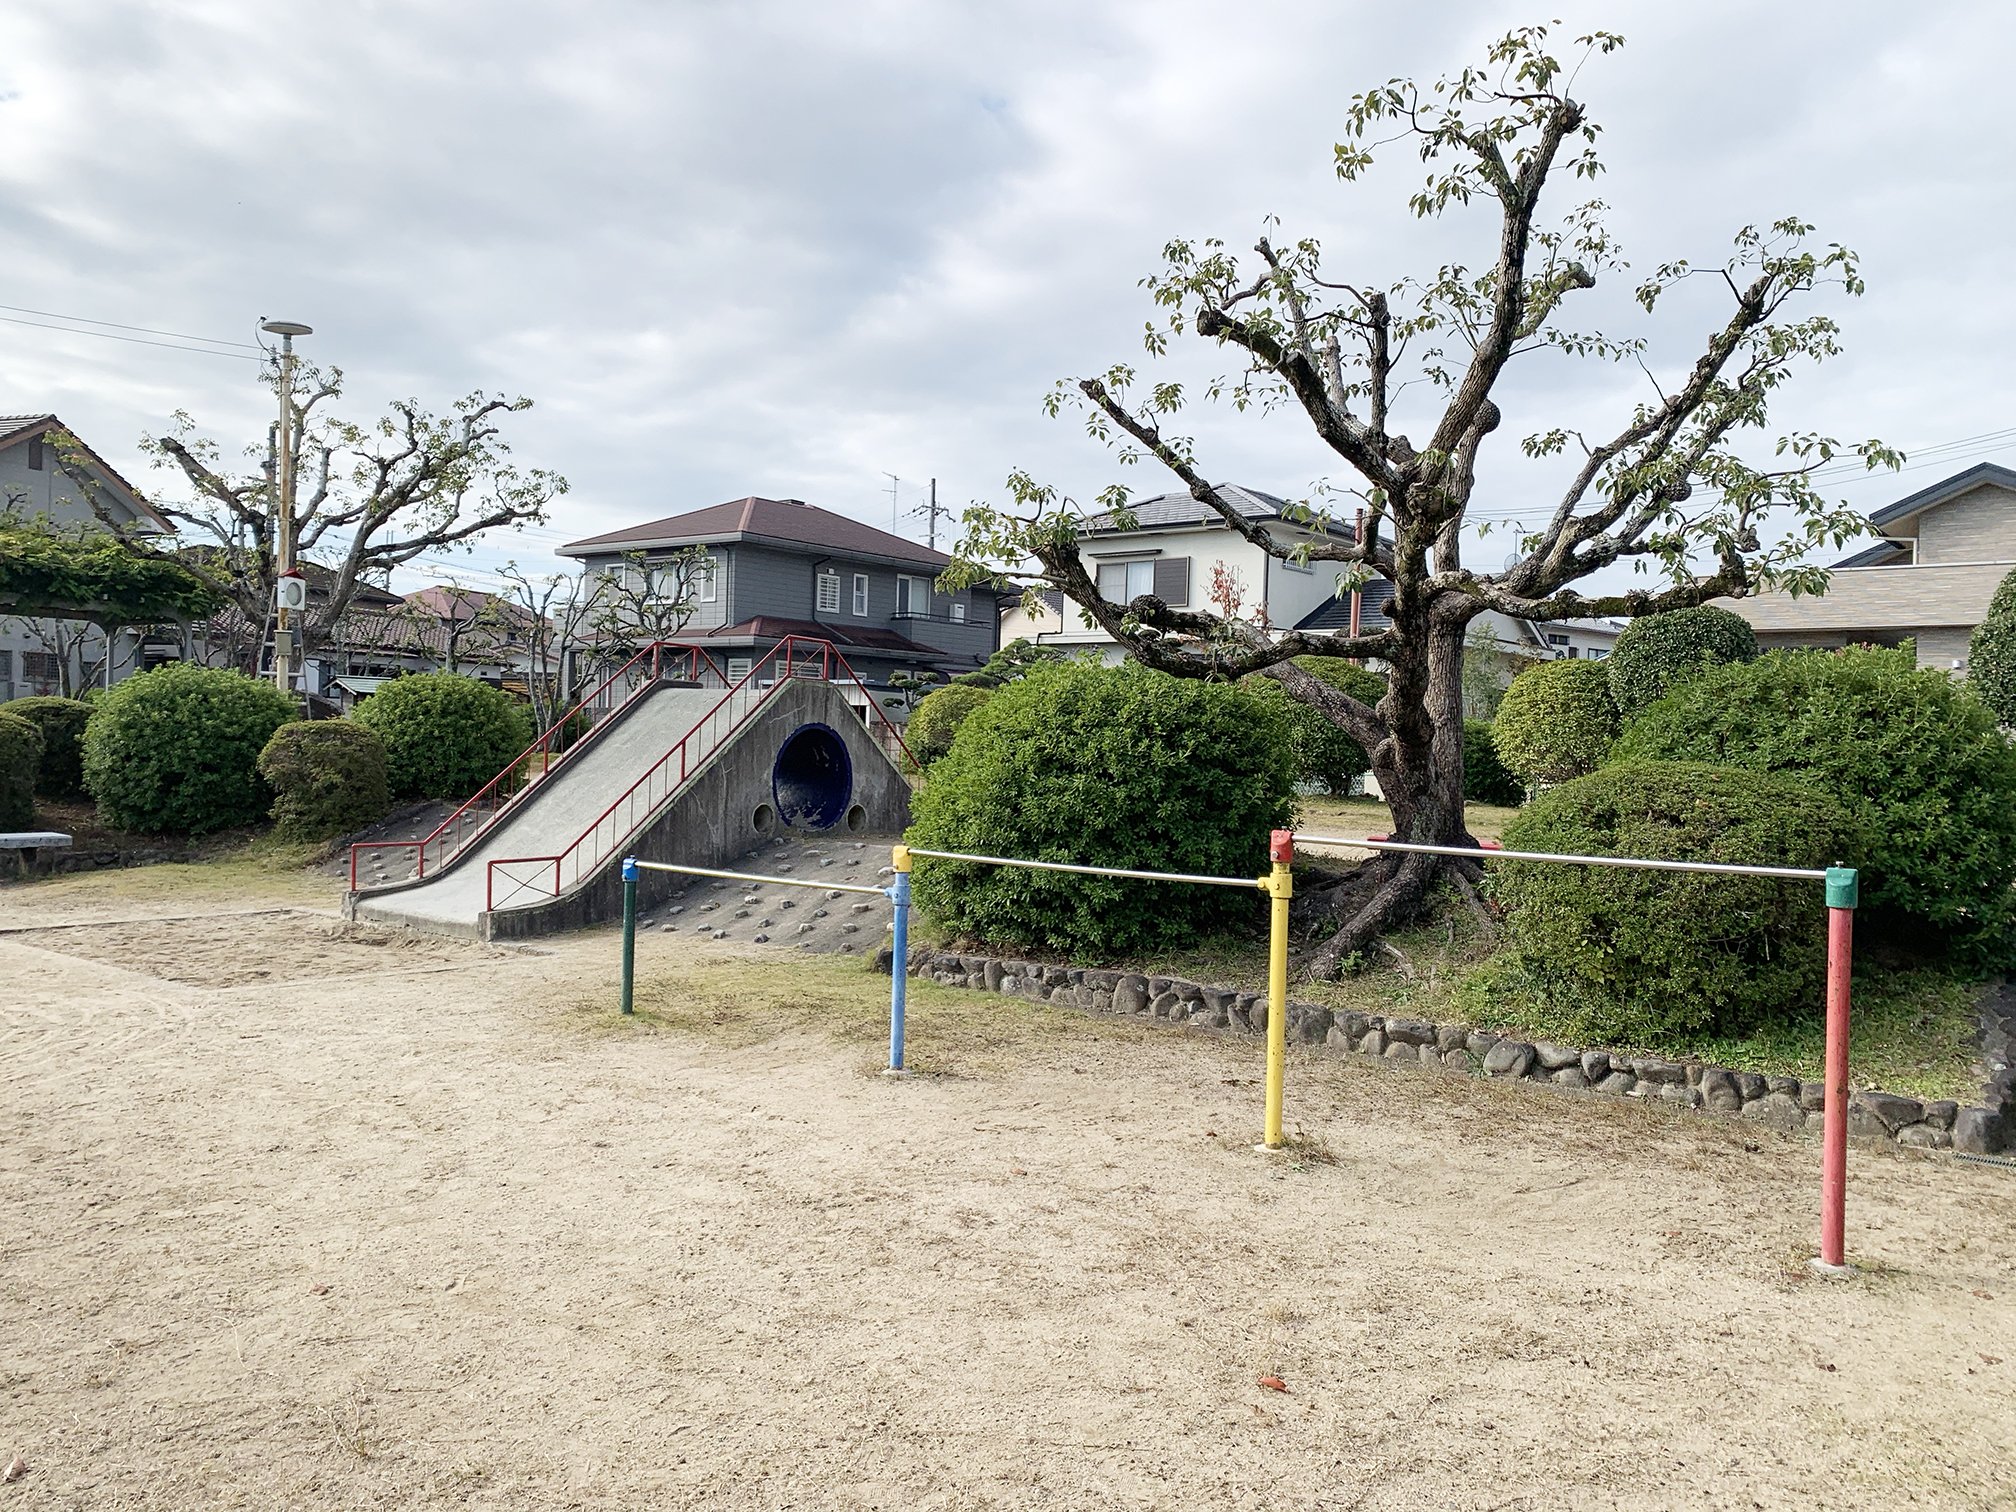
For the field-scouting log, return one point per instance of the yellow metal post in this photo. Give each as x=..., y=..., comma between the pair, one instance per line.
x=1280, y=887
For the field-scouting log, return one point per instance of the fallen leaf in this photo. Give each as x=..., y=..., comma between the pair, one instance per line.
x=1991, y=1359
x=1982, y=1295
x=1826, y=1367
x=16, y=1468
x=320, y=1288
x=1274, y=1383
x=1017, y=1171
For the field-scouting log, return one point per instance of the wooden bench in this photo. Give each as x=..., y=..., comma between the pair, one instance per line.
x=32, y=847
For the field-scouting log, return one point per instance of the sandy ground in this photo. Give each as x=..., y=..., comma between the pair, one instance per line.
x=419, y=1229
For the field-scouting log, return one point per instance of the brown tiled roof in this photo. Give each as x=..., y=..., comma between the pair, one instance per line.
x=787, y=521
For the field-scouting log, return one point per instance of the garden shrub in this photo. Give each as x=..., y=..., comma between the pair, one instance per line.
x=328, y=778
x=61, y=721
x=1908, y=753
x=1660, y=651
x=1557, y=721
x=176, y=750
x=1486, y=779
x=1112, y=766
x=1991, y=655
x=445, y=735
x=20, y=763
x=1325, y=754
x=938, y=717
x=1624, y=957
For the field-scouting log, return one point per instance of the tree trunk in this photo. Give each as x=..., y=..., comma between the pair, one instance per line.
x=1420, y=770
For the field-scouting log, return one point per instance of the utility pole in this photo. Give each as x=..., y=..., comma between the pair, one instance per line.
x=283, y=520
x=934, y=514
x=895, y=519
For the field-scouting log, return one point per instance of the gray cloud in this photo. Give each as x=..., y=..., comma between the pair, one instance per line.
x=781, y=247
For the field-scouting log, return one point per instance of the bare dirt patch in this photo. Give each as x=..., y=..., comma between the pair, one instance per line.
x=462, y=1238
x=238, y=949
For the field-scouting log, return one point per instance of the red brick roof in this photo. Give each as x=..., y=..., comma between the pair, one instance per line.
x=787, y=521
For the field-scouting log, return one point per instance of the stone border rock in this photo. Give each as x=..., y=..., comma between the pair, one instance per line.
x=1783, y=1103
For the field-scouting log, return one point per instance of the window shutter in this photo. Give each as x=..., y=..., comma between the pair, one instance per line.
x=1172, y=580
x=829, y=593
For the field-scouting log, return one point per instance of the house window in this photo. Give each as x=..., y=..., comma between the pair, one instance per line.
x=40, y=666
x=828, y=594
x=35, y=453
x=705, y=580
x=861, y=594
x=1597, y=653
x=738, y=668
x=958, y=612
x=1123, y=582
x=913, y=597
x=1556, y=640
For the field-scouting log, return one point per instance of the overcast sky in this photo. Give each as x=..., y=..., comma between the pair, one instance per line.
x=786, y=248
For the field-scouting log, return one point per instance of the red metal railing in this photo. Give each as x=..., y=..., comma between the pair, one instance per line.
x=658, y=661
x=794, y=656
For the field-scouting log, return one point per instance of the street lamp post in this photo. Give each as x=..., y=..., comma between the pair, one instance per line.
x=283, y=522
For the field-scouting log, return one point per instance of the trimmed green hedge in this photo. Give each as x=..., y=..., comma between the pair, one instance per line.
x=1991, y=655
x=20, y=762
x=930, y=731
x=445, y=735
x=1557, y=721
x=1912, y=756
x=1486, y=779
x=1656, y=654
x=1623, y=957
x=1109, y=766
x=1324, y=754
x=328, y=778
x=176, y=750
x=61, y=721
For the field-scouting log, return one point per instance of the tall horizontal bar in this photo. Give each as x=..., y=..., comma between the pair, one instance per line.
x=1091, y=871
x=1641, y=863
x=708, y=871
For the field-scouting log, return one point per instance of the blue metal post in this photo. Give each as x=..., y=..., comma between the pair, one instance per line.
x=899, y=957
x=629, y=929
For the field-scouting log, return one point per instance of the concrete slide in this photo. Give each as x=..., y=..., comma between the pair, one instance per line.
x=739, y=792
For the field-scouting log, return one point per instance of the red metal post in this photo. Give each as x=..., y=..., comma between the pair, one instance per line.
x=1841, y=899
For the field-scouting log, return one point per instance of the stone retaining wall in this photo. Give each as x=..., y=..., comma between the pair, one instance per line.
x=1783, y=1103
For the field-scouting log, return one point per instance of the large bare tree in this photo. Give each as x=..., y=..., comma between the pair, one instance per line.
x=1397, y=379
x=368, y=498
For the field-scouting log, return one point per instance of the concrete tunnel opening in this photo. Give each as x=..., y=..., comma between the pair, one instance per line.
x=813, y=778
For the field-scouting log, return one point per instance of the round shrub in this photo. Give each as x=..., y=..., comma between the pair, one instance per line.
x=1624, y=957
x=1557, y=721
x=1910, y=756
x=445, y=735
x=1104, y=766
x=328, y=778
x=1324, y=754
x=20, y=762
x=938, y=718
x=1660, y=651
x=1991, y=654
x=176, y=750
x=61, y=721
x=1486, y=779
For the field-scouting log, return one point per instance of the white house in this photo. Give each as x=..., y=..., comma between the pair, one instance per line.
x=40, y=656
x=1185, y=554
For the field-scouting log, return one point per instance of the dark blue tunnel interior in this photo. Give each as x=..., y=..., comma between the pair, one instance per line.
x=813, y=778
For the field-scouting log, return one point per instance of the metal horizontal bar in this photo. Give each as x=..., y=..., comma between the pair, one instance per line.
x=1091, y=871
x=708, y=871
x=1641, y=863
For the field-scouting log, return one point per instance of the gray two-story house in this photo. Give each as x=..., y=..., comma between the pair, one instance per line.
x=1943, y=551
x=781, y=567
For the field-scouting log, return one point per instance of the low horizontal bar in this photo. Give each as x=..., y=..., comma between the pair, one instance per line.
x=1720, y=867
x=1089, y=871
x=708, y=871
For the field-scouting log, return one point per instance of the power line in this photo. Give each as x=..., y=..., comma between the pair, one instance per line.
x=131, y=340
x=143, y=330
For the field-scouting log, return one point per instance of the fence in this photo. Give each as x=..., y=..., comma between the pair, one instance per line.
x=1842, y=885
x=1842, y=895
